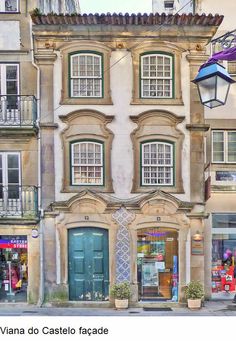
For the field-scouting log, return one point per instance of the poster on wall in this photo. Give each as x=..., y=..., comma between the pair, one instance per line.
x=197, y=247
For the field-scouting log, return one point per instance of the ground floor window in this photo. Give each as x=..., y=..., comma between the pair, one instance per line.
x=157, y=263
x=223, y=271
x=13, y=268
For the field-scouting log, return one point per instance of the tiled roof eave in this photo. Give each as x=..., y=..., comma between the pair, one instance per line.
x=129, y=19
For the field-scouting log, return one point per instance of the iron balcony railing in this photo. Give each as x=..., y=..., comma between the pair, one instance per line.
x=18, y=110
x=18, y=201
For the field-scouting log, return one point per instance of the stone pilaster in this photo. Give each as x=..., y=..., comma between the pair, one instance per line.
x=197, y=129
x=45, y=61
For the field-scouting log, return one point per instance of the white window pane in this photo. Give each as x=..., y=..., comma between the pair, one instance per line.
x=218, y=136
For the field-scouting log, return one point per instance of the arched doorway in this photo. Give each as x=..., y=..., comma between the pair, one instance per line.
x=88, y=264
x=157, y=264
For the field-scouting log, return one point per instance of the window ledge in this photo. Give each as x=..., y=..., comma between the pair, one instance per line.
x=157, y=101
x=78, y=101
x=78, y=188
x=169, y=189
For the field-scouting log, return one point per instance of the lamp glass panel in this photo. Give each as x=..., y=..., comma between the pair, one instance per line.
x=222, y=87
x=207, y=89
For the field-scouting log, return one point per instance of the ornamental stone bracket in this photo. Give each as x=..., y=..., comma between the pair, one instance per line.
x=122, y=249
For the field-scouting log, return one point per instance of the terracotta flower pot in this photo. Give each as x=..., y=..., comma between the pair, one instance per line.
x=194, y=304
x=121, y=304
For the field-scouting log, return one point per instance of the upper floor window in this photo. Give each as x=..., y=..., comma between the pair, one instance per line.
x=9, y=176
x=9, y=88
x=169, y=4
x=86, y=75
x=87, y=163
x=9, y=6
x=9, y=79
x=157, y=163
x=156, y=76
x=224, y=146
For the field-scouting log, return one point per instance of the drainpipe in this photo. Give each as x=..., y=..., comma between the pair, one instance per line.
x=40, y=209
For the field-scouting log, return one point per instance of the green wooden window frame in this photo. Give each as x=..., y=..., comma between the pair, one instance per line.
x=156, y=167
x=154, y=82
x=88, y=85
x=85, y=164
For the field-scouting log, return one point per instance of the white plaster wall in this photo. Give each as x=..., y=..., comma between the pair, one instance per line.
x=226, y=8
x=121, y=126
x=9, y=35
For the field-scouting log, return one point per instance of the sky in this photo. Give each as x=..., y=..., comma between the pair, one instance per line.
x=118, y=6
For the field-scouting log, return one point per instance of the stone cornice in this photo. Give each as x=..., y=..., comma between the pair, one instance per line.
x=15, y=52
x=45, y=57
x=194, y=58
x=48, y=125
x=198, y=127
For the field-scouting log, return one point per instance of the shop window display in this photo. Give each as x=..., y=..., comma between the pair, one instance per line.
x=157, y=264
x=223, y=264
x=223, y=271
x=13, y=268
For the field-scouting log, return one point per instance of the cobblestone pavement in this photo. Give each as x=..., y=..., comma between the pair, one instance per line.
x=211, y=308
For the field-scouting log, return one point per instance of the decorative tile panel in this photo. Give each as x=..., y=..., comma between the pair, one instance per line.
x=123, y=218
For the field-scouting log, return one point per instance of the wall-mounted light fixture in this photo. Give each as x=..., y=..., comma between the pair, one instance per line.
x=197, y=236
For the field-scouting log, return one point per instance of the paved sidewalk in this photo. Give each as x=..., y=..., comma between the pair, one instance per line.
x=211, y=308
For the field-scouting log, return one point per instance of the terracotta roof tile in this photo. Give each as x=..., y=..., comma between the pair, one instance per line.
x=128, y=19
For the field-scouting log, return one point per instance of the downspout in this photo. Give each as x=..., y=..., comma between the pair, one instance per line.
x=40, y=209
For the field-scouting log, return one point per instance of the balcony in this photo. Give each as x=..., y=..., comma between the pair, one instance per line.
x=18, y=202
x=18, y=111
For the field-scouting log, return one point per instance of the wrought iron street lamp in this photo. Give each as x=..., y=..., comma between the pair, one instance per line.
x=213, y=80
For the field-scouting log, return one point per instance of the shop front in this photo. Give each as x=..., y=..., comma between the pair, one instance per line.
x=157, y=264
x=223, y=271
x=13, y=268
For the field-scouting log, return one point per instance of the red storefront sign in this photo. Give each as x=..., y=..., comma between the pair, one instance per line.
x=13, y=244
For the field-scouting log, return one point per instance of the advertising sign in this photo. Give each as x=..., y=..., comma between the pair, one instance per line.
x=197, y=247
x=13, y=243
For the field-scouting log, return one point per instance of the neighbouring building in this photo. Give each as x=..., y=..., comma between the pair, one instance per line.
x=19, y=251
x=220, y=174
x=122, y=135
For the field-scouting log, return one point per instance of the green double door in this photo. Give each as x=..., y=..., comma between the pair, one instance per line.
x=88, y=264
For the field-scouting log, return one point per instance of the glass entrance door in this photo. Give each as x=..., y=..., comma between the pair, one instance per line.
x=13, y=268
x=157, y=264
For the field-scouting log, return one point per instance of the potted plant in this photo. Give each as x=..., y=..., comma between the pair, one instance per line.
x=121, y=292
x=194, y=294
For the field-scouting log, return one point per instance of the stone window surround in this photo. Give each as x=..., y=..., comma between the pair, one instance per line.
x=100, y=78
x=94, y=129
x=93, y=47
x=171, y=165
x=160, y=125
x=170, y=78
x=101, y=165
x=162, y=48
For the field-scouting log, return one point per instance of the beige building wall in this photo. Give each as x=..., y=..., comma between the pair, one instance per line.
x=16, y=47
